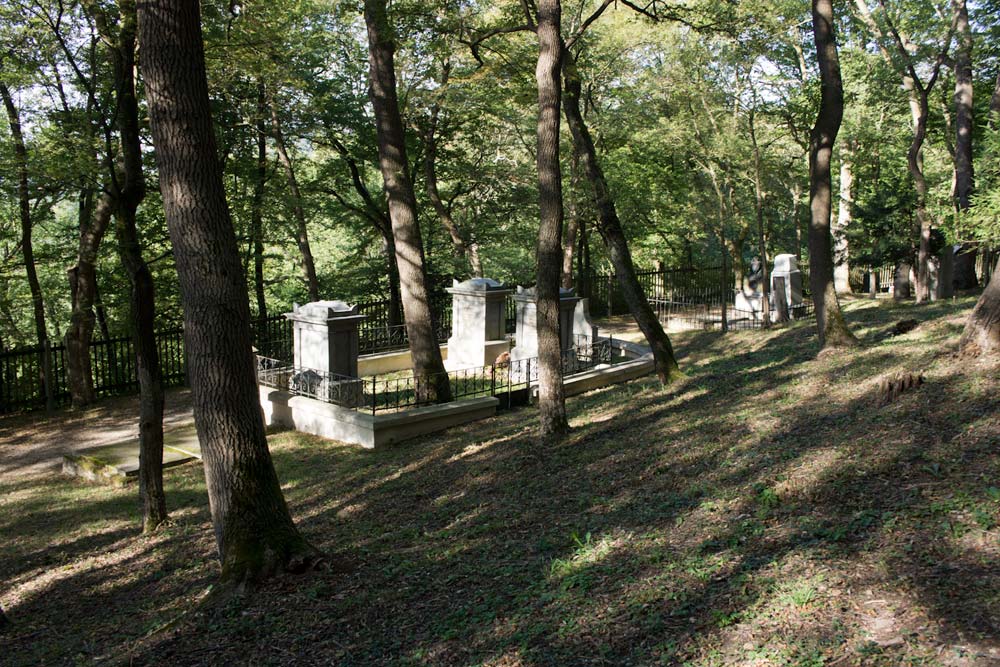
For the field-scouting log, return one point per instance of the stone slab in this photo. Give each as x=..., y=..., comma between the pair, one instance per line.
x=118, y=462
x=334, y=422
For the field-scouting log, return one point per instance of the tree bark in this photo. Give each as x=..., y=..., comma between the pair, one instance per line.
x=94, y=223
x=914, y=162
x=982, y=331
x=553, y=424
x=254, y=531
x=965, y=261
x=298, y=211
x=24, y=210
x=842, y=268
x=830, y=325
x=131, y=190
x=610, y=229
x=463, y=246
x=572, y=231
x=428, y=368
x=765, y=303
x=257, y=206
x=963, y=109
x=995, y=105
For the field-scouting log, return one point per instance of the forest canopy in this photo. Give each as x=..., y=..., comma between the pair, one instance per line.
x=700, y=111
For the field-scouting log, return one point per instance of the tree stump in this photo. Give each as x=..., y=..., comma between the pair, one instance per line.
x=891, y=386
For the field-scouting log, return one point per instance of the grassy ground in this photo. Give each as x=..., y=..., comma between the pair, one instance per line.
x=764, y=511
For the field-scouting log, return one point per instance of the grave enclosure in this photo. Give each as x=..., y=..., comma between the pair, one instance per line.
x=331, y=391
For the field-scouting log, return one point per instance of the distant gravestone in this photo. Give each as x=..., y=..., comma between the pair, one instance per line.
x=325, y=335
x=478, y=316
x=570, y=325
x=786, y=267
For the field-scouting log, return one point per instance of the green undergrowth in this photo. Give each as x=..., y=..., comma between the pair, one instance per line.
x=765, y=510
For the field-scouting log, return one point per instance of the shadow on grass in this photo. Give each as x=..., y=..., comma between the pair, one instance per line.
x=740, y=515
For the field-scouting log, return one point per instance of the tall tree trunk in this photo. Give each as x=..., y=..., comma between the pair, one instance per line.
x=965, y=261
x=914, y=162
x=257, y=206
x=24, y=209
x=83, y=291
x=611, y=230
x=395, y=314
x=459, y=239
x=553, y=424
x=796, y=192
x=982, y=330
x=298, y=210
x=765, y=302
x=830, y=325
x=995, y=105
x=572, y=231
x=842, y=268
x=428, y=368
x=254, y=531
x=963, y=109
x=142, y=296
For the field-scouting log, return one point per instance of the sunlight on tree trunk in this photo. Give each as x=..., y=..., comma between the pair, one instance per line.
x=831, y=328
x=432, y=384
x=551, y=394
x=611, y=230
x=254, y=532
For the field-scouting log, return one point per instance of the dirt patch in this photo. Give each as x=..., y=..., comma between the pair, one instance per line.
x=34, y=442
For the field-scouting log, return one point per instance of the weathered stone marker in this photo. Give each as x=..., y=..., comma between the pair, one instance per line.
x=574, y=321
x=325, y=335
x=787, y=267
x=478, y=317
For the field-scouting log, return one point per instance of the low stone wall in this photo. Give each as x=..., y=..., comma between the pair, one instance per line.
x=400, y=360
x=327, y=420
x=389, y=362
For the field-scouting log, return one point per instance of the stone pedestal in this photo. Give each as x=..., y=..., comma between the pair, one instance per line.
x=325, y=335
x=946, y=276
x=526, y=334
x=787, y=267
x=477, y=322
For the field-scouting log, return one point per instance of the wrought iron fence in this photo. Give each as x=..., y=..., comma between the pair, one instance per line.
x=509, y=381
x=708, y=316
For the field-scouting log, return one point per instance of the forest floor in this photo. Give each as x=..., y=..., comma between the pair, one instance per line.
x=765, y=510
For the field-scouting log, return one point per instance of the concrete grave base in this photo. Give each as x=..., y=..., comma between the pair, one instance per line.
x=358, y=428
x=118, y=463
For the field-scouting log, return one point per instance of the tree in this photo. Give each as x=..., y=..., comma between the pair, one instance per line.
x=610, y=228
x=918, y=92
x=965, y=264
x=24, y=211
x=129, y=190
x=830, y=325
x=464, y=246
x=254, y=531
x=551, y=394
x=428, y=367
x=301, y=231
x=982, y=330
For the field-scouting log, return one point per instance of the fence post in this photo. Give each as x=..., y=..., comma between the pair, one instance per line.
x=374, y=379
x=611, y=294
x=47, y=376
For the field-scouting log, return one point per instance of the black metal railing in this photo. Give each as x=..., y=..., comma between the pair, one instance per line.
x=708, y=316
x=509, y=381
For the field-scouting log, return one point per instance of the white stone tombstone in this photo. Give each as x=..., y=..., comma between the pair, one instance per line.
x=526, y=334
x=787, y=267
x=583, y=326
x=478, y=315
x=326, y=337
